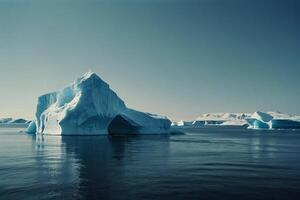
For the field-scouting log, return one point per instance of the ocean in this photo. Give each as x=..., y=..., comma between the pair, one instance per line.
x=196, y=165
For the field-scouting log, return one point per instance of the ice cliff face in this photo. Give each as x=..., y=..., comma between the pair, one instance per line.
x=89, y=107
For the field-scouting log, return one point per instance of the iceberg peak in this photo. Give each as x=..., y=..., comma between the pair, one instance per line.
x=89, y=78
x=262, y=116
x=89, y=75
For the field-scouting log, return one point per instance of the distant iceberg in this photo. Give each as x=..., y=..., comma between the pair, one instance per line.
x=19, y=121
x=184, y=123
x=256, y=120
x=14, y=121
x=228, y=119
x=89, y=107
x=5, y=120
x=273, y=120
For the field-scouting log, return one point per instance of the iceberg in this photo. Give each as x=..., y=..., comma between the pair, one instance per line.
x=257, y=124
x=31, y=128
x=259, y=120
x=256, y=120
x=174, y=124
x=262, y=116
x=222, y=119
x=13, y=121
x=228, y=119
x=215, y=121
x=273, y=120
x=198, y=123
x=18, y=121
x=223, y=116
x=184, y=123
x=5, y=120
x=284, y=124
x=89, y=107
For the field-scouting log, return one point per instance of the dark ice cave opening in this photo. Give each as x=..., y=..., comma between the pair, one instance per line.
x=121, y=126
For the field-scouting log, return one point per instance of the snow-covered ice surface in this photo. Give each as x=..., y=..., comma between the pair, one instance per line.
x=234, y=122
x=228, y=119
x=223, y=116
x=89, y=107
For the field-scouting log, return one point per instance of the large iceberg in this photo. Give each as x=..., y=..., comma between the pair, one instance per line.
x=89, y=107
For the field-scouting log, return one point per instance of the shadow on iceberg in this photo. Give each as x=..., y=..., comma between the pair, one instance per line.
x=134, y=122
x=121, y=126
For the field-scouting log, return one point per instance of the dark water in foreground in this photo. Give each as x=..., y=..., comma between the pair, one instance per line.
x=222, y=165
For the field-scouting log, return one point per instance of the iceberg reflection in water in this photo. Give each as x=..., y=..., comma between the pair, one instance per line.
x=229, y=165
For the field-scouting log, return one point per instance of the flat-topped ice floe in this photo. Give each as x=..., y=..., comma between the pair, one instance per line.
x=89, y=107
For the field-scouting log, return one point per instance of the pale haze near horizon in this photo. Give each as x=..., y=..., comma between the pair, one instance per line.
x=179, y=59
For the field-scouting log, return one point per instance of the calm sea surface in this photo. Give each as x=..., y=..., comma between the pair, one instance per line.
x=211, y=165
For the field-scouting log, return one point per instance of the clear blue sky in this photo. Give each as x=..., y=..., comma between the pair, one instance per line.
x=177, y=58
